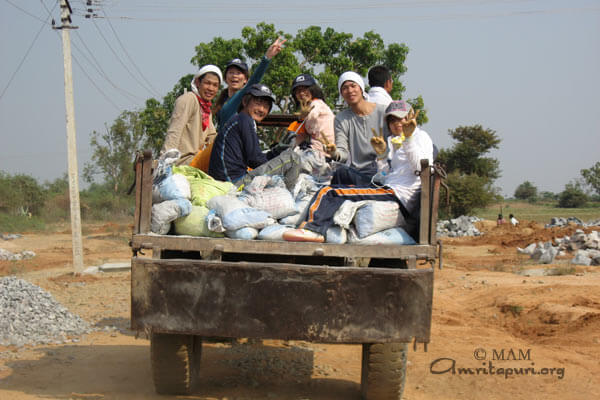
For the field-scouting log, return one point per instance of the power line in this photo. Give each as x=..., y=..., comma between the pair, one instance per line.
x=27, y=12
x=119, y=59
x=96, y=86
x=27, y=52
x=96, y=65
x=128, y=56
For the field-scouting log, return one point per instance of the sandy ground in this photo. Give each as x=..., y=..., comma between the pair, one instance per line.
x=494, y=315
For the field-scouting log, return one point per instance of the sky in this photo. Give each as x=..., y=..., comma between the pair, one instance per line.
x=529, y=70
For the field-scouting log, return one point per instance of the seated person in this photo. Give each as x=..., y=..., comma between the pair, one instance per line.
x=316, y=127
x=513, y=220
x=399, y=158
x=191, y=127
x=236, y=147
x=353, y=130
x=500, y=220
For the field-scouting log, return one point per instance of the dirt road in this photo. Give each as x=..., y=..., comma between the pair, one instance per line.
x=497, y=332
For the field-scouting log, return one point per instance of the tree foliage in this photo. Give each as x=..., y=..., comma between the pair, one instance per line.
x=471, y=175
x=468, y=192
x=592, y=177
x=114, y=152
x=572, y=197
x=526, y=191
x=20, y=194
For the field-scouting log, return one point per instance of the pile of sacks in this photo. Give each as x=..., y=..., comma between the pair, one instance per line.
x=586, y=248
x=186, y=201
x=457, y=227
x=560, y=221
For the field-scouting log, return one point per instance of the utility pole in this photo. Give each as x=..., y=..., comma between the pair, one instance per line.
x=65, y=18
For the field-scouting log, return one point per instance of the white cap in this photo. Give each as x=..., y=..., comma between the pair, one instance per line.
x=206, y=68
x=354, y=77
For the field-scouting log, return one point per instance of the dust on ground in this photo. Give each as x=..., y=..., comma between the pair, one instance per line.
x=494, y=311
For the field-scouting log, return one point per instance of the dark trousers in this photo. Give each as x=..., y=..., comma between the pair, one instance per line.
x=344, y=175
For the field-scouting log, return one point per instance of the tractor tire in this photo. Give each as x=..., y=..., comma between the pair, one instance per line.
x=383, y=372
x=175, y=362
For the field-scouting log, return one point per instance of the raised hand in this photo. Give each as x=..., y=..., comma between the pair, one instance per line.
x=275, y=48
x=305, y=107
x=330, y=148
x=378, y=142
x=409, y=127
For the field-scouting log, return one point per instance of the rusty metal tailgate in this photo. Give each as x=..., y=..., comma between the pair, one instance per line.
x=281, y=301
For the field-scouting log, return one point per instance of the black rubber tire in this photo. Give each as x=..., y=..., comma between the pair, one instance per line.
x=175, y=362
x=383, y=373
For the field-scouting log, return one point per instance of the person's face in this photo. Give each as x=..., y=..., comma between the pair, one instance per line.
x=208, y=86
x=303, y=94
x=395, y=124
x=258, y=108
x=351, y=92
x=235, y=78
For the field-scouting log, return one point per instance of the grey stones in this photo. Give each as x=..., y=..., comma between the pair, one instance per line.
x=30, y=315
x=585, y=246
x=457, y=227
x=560, y=221
x=9, y=256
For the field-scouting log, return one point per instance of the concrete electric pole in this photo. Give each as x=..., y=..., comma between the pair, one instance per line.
x=66, y=26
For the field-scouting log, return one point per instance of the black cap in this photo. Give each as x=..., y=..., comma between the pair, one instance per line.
x=236, y=62
x=260, y=90
x=303, y=80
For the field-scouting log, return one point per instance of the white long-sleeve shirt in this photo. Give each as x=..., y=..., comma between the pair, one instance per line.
x=401, y=164
x=379, y=95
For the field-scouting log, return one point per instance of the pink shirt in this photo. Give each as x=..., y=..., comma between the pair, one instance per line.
x=319, y=119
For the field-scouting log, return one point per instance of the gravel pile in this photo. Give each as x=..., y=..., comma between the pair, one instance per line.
x=461, y=226
x=24, y=255
x=30, y=315
x=558, y=222
x=585, y=247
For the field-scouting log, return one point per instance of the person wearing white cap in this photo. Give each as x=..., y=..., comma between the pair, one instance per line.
x=191, y=127
x=353, y=131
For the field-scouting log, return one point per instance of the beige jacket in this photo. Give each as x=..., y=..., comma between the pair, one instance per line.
x=185, y=129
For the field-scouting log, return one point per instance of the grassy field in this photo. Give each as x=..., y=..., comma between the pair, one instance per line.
x=539, y=212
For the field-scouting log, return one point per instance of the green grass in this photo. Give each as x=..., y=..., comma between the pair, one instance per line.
x=20, y=223
x=538, y=212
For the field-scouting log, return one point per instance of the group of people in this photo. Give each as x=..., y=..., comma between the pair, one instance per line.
x=375, y=143
x=511, y=218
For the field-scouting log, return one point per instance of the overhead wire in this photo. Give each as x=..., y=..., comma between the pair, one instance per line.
x=119, y=59
x=80, y=66
x=45, y=22
x=96, y=65
x=129, y=56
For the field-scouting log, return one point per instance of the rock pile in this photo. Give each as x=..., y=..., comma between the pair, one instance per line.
x=10, y=236
x=461, y=226
x=30, y=315
x=9, y=256
x=558, y=222
x=586, y=248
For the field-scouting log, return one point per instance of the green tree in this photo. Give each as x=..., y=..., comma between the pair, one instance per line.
x=471, y=175
x=114, y=152
x=592, y=177
x=573, y=196
x=545, y=195
x=526, y=191
x=20, y=194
